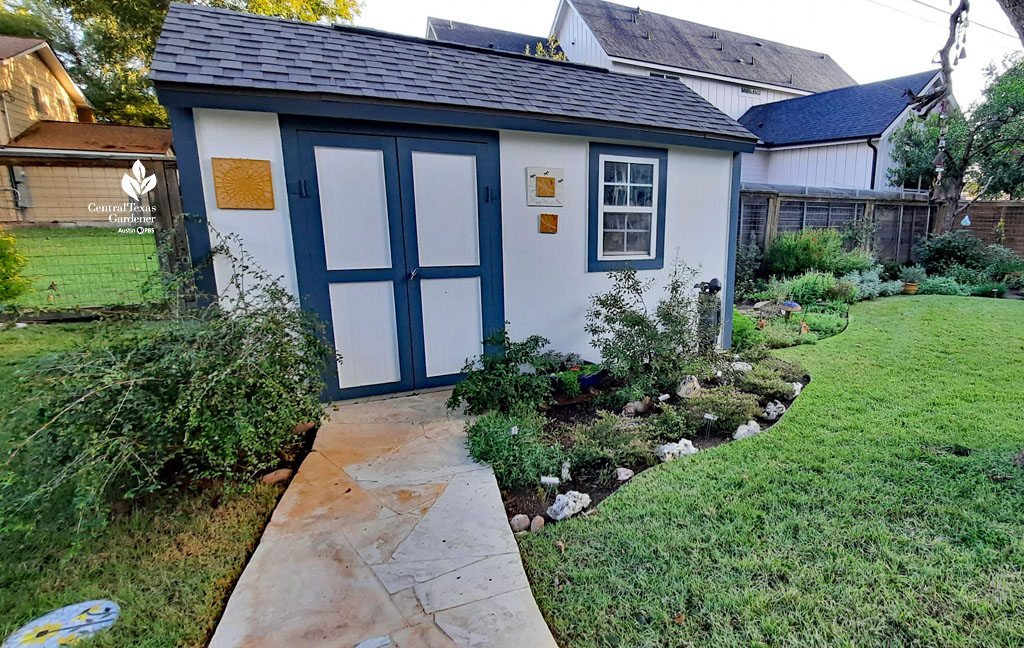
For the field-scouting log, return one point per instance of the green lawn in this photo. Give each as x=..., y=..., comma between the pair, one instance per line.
x=170, y=564
x=85, y=266
x=883, y=510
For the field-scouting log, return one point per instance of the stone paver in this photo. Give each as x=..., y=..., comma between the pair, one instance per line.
x=388, y=532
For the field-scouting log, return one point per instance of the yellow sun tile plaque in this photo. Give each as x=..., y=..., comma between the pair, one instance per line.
x=243, y=184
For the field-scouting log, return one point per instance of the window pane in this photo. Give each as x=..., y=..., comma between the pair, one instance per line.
x=614, y=221
x=638, y=242
x=615, y=194
x=638, y=222
x=641, y=173
x=613, y=242
x=616, y=171
x=641, y=196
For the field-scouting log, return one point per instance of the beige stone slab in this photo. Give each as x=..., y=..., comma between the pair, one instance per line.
x=397, y=576
x=403, y=499
x=306, y=590
x=422, y=461
x=375, y=540
x=422, y=636
x=410, y=609
x=510, y=619
x=321, y=492
x=467, y=520
x=480, y=580
x=351, y=443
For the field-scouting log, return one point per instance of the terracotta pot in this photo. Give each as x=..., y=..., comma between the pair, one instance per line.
x=910, y=289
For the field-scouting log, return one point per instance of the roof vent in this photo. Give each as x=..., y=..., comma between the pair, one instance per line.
x=714, y=35
x=638, y=12
x=634, y=18
x=451, y=24
x=759, y=43
x=751, y=59
x=648, y=34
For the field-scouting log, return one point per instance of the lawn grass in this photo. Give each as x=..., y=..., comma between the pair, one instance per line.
x=170, y=563
x=73, y=267
x=883, y=510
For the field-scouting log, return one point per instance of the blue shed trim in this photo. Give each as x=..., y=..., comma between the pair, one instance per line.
x=190, y=179
x=429, y=114
x=734, y=234
x=594, y=173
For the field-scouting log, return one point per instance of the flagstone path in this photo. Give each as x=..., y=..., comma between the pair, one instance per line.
x=389, y=535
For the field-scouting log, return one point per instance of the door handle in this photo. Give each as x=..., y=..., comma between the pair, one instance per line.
x=414, y=274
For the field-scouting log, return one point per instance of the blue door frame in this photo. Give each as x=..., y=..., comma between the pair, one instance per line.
x=397, y=144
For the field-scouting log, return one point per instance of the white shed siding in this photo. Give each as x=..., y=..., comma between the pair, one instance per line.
x=547, y=286
x=755, y=166
x=577, y=41
x=837, y=165
x=265, y=234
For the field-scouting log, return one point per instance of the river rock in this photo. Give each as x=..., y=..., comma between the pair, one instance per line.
x=797, y=388
x=537, y=523
x=519, y=523
x=688, y=388
x=278, y=476
x=741, y=366
x=671, y=451
x=774, y=410
x=637, y=407
x=568, y=504
x=623, y=474
x=748, y=429
x=566, y=475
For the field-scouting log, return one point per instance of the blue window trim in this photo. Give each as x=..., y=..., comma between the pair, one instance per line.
x=603, y=265
x=729, y=294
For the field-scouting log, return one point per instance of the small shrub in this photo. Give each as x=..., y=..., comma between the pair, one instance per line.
x=791, y=372
x=1001, y=261
x=12, y=284
x=731, y=406
x=840, y=308
x=779, y=334
x=500, y=380
x=811, y=286
x=913, y=274
x=748, y=264
x=890, y=288
x=1015, y=280
x=964, y=275
x=989, y=289
x=891, y=270
x=611, y=441
x=943, y=286
x=520, y=459
x=950, y=248
x=826, y=324
x=745, y=333
x=844, y=291
x=793, y=253
x=765, y=382
x=670, y=425
x=867, y=282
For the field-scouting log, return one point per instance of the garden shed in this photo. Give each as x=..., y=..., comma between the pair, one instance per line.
x=417, y=194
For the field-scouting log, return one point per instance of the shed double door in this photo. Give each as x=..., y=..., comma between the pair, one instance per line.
x=401, y=256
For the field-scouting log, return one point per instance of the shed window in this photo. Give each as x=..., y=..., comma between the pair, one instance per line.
x=627, y=207
x=37, y=99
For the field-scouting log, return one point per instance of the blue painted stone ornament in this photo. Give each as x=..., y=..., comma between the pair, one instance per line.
x=66, y=626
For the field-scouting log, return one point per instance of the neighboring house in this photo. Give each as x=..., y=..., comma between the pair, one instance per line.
x=52, y=156
x=417, y=194
x=837, y=139
x=496, y=39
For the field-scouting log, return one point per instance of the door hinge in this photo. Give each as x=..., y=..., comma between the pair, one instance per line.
x=487, y=196
x=303, y=189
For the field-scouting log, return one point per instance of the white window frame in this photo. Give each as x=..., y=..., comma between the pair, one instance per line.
x=627, y=209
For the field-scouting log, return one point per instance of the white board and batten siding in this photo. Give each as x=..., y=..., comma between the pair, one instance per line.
x=846, y=166
x=266, y=234
x=577, y=40
x=547, y=286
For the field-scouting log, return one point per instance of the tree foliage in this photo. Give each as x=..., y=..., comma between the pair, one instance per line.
x=551, y=50
x=107, y=46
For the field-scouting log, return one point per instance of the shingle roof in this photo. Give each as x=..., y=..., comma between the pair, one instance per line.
x=496, y=39
x=691, y=46
x=11, y=46
x=85, y=136
x=858, y=111
x=224, y=48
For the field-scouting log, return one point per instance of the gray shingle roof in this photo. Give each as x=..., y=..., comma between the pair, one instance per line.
x=477, y=36
x=688, y=45
x=855, y=112
x=224, y=48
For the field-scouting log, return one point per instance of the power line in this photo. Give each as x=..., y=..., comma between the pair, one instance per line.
x=973, y=22
x=945, y=27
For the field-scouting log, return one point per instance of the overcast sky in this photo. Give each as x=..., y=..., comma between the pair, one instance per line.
x=870, y=39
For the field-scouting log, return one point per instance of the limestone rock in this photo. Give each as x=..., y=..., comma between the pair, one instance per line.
x=741, y=366
x=797, y=388
x=748, y=429
x=637, y=407
x=774, y=410
x=278, y=476
x=688, y=388
x=671, y=451
x=623, y=474
x=520, y=523
x=568, y=504
x=537, y=523
x=376, y=642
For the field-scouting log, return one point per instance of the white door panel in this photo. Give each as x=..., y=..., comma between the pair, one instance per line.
x=452, y=323
x=447, y=221
x=354, y=208
x=365, y=332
